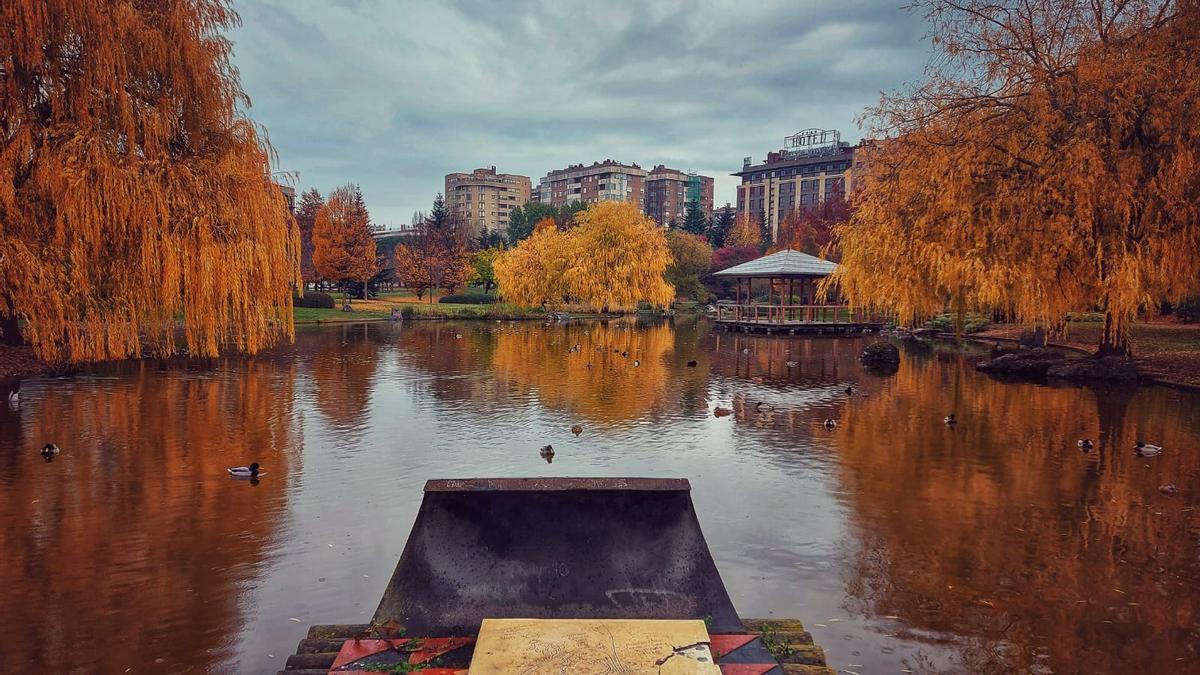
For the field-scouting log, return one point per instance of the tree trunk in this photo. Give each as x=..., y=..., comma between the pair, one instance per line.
x=10, y=331
x=1114, y=341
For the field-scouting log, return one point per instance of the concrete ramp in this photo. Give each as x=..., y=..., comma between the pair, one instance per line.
x=554, y=548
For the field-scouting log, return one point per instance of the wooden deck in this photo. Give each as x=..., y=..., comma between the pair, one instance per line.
x=819, y=319
x=786, y=638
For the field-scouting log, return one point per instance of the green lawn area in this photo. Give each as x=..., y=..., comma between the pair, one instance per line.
x=313, y=315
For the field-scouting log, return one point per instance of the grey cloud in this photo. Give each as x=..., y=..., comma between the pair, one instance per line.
x=393, y=95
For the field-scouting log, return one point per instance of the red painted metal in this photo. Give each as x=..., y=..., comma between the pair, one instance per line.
x=725, y=643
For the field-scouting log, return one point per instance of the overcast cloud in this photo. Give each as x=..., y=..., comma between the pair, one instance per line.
x=393, y=95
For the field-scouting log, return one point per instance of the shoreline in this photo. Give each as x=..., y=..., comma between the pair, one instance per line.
x=17, y=363
x=1151, y=370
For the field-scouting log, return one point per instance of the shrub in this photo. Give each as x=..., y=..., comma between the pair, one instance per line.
x=972, y=323
x=1188, y=310
x=314, y=300
x=470, y=299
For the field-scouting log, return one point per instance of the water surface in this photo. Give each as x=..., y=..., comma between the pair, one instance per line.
x=993, y=547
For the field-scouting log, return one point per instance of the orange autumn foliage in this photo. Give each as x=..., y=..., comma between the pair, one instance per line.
x=134, y=193
x=1049, y=164
x=343, y=248
x=745, y=232
x=810, y=230
x=613, y=258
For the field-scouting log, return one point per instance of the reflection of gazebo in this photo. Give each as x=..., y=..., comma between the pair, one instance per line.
x=794, y=301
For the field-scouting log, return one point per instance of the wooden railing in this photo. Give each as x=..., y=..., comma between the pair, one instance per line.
x=830, y=313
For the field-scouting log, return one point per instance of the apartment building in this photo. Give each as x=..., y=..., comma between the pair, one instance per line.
x=609, y=180
x=484, y=198
x=668, y=192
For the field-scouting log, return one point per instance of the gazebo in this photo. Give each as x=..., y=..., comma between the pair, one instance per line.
x=794, y=301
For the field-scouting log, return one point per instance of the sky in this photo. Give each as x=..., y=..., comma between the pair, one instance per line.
x=392, y=95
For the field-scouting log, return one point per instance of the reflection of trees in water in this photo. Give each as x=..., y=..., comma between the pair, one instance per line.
x=136, y=524
x=343, y=370
x=1001, y=531
x=539, y=360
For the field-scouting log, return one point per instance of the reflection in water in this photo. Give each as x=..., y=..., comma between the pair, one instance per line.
x=1002, y=531
x=996, y=546
x=131, y=547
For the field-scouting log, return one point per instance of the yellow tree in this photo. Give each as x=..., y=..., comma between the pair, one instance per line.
x=691, y=256
x=533, y=272
x=343, y=248
x=618, y=257
x=133, y=190
x=1051, y=163
x=745, y=232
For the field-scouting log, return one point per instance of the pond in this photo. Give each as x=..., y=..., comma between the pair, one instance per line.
x=903, y=544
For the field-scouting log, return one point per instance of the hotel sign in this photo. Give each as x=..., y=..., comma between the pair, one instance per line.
x=812, y=138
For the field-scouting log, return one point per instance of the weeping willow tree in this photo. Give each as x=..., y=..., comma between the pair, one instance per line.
x=133, y=191
x=1050, y=163
x=614, y=258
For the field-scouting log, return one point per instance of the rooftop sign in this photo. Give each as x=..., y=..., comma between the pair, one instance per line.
x=812, y=138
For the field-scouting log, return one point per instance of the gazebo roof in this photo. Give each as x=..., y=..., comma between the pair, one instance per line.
x=785, y=263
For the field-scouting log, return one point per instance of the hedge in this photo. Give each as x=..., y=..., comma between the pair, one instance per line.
x=470, y=299
x=314, y=300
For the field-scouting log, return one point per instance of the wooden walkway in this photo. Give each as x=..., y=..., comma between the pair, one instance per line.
x=819, y=319
x=800, y=327
x=785, y=638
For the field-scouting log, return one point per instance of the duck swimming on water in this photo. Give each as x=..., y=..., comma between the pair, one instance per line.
x=50, y=451
x=547, y=453
x=1085, y=444
x=1146, y=449
x=830, y=423
x=950, y=420
x=252, y=471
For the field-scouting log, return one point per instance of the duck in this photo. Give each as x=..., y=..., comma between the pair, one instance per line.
x=547, y=453
x=746, y=350
x=577, y=429
x=636, y=363
x=1169, y=490
x=950, y=420
x=721, y=412
x=850, y=390
x=458, y=336
x=691, y=364
x=1146, y=449
x=1085, y=444
x=793, y=364
x=830, y=423
x=252, y=471
x=14, y=398
x=50, y=451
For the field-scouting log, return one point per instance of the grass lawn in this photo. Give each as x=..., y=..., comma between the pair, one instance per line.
x=314, y=315
x=1165, y=351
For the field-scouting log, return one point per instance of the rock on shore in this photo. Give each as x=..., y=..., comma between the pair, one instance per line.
x=881, y=354
x=1041, y=362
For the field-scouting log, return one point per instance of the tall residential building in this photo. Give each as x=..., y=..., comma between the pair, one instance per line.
x=602, y=181
x=668, y=192
x=485, y=199
x=813, y=165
